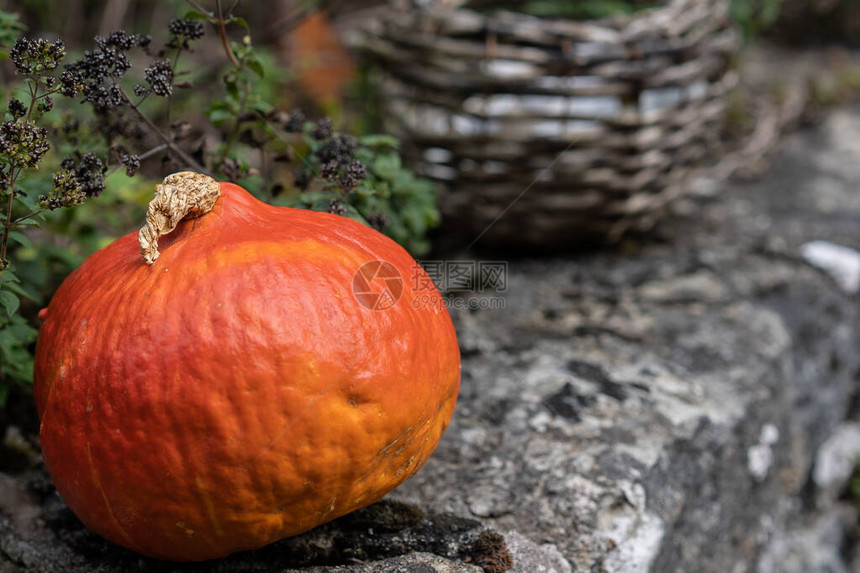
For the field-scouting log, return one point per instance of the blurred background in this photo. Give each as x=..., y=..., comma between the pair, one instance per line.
x=523, y=126
x=460, y=128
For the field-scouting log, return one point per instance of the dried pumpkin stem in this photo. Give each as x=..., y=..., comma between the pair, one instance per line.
x=183, y=195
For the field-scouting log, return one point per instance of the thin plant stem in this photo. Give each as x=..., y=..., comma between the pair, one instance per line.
x=145, y=155
x=7, y=228
x=222, y=32
x=163, y=136
x=8, y=224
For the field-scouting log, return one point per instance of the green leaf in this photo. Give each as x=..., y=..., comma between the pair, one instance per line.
x=30, y=203
x=261, y=107
x=197, y=15
x=256, y=67
x=21, y=239
x=232, y=88
x=9, y=301
x=387, y=165
x=8, y=277
x=15, y=356
x=16, y=289
x=379, y=141
x=217, y=116
x=240, y=21
x=29, y=222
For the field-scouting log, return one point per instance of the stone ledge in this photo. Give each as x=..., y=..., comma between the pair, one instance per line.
x=661, y=410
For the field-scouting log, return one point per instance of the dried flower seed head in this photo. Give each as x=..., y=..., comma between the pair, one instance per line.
x=323, y=129
x=337, y=207
x=132, y=164
x=339, y=149
x=352, y=175
x=71, y=83
x=160, y=77
x=45, y=105
x=36, y=56
x=66, y=192
x=329, y=171
x=377, y=221
x=17, y=108
x=96, y=73
x=5, y=180
x=296, y=122
x=90, y=174
x=302, y=179
x=184, y=30
x=122, y=41
x=23, y=144
x=231, y=168
x=103, y=97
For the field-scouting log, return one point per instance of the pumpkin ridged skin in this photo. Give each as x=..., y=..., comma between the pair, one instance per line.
x=235, y=392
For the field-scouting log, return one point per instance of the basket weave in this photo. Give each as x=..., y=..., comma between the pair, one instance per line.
x=552, y=132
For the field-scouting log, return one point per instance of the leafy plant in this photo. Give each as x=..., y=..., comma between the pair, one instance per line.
x=366, y=180
x=754, y=16
x=10, y=29
x=54, y=156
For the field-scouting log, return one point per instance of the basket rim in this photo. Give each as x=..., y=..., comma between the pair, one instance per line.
x=437, y=9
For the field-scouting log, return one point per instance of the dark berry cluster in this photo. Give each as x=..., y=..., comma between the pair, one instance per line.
x=338, y=149
x=89, y=172
x=45, y=105
x=337, y=207
x=329, y=171
x=352, y=175
x=71, y=83
x=36, y=56
x=377, y=221
x=66, y=192
x=323, y=129
x=334, y=155
x=17, y=108
x=337, y=161
x=5, y=176
x=302, y=179
x=23, y=144
x=96, y=74
x=160, y=77
x=131, y=163
x=184, y=30
x=121, y=41
x=295, y=122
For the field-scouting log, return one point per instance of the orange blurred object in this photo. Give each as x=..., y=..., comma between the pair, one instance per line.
x=323, y=66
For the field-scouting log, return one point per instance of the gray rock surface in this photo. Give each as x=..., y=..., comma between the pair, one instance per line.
x=683, y=405
x=412, y=563
x=662, y=410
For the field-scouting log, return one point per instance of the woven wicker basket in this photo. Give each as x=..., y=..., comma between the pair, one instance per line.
x=553, y=132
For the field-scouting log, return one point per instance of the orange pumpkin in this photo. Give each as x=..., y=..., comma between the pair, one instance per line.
x=275, y=368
